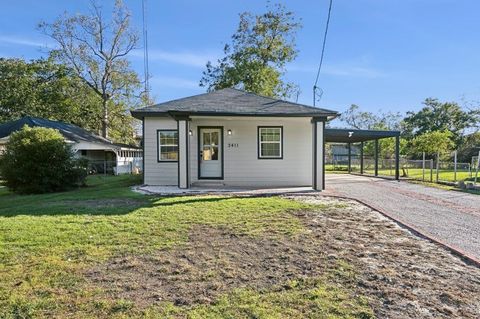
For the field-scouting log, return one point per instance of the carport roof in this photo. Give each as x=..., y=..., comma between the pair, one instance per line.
x=338, y=135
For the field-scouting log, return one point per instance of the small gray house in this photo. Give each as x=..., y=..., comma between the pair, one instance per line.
x=233, y=138
x=103, y=155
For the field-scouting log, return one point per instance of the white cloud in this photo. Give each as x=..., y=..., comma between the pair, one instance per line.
x=17, y=40
x=173, y=82
x=338, y=70
x=198, y=60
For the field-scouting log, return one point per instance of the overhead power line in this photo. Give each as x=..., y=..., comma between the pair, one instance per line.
x=315, y=87
x=145, y=47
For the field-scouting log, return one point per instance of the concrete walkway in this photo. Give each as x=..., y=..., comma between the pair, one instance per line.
x=219, y=190
x=450, y=216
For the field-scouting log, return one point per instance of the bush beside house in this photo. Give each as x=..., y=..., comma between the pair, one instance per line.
x=38, y=160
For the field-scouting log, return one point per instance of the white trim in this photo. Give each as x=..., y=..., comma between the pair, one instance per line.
x=160, y=145
x=182, y=154
x=279, y=142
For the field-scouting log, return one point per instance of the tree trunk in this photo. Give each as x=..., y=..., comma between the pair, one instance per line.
x=105, y=118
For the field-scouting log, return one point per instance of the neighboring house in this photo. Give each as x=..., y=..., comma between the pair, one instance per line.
x=233, y=138
x=103, y=155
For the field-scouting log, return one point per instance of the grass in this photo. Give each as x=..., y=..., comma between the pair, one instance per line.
x=446, y=187
x=299, y=300
x=47, y=242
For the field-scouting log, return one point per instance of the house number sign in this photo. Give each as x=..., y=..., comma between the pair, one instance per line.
x=232, y=145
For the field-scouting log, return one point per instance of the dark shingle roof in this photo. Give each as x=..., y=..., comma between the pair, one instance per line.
x=69, y=131
x=231, y=102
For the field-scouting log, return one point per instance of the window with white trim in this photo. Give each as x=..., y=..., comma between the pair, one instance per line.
x=167, y=145
x=270, y=142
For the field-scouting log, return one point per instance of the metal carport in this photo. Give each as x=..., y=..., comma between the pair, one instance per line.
x=349, y=136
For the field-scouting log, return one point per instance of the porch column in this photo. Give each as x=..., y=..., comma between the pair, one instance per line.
x=183, y=156
x=376, y=157
x=397, y=158
x=318, y=153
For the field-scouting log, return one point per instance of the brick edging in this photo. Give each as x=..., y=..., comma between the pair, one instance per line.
x=456, y=251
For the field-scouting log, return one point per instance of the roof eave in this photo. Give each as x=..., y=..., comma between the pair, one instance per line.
x=141, y=114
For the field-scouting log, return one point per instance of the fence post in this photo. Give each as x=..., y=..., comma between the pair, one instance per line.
x=455, y=167
x=437, y=166
x=423, y=167
x=431, y=171
x=476, y=170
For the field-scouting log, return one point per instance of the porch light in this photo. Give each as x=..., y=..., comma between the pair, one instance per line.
x=229, y=132
x=190, y=132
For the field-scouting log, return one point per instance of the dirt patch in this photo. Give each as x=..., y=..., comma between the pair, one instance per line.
x=214, y=262
x=403, y=276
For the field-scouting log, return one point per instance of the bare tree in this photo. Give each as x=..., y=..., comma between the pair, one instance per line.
x=96, y=49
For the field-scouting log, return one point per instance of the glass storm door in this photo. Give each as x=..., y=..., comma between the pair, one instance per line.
x=210, y=150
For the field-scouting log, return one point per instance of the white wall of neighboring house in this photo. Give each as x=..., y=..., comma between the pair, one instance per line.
x=129, y=161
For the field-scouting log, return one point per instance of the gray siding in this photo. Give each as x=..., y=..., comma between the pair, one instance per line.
x=158, y=173
x=241, y=164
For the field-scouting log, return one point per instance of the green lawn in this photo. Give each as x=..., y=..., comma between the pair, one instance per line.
x=48, y=242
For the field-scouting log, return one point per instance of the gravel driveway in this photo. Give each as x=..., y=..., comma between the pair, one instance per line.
x=453, y=217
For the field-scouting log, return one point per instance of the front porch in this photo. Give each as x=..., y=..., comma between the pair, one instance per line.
x=222, y=190
x=234, y=153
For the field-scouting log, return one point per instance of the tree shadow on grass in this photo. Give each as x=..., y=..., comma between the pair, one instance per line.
x=122, y=205
x=94, y=207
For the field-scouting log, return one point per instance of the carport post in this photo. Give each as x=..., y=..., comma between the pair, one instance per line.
x=361, y=157
x=397, y=158
x=376, y=157
x=349, y=158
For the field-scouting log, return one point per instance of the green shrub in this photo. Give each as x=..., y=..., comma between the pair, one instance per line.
x=38, y=160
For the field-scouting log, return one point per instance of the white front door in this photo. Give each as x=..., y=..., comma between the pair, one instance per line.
x=211, y=153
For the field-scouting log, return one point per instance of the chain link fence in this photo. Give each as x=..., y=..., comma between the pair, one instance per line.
x=427, y=170
x=104, y=167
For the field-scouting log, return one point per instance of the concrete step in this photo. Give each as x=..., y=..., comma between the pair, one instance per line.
x=209, y=184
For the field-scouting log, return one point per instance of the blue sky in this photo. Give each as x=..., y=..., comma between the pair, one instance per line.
x=382, y=55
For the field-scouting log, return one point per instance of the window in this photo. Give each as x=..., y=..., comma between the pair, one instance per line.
x=270, y=140
x=167, y=145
